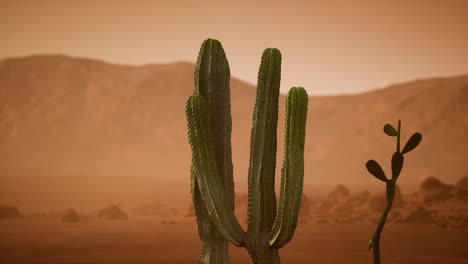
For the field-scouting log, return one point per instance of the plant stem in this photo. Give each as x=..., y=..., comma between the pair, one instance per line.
x=383, y=218
x=398, y=136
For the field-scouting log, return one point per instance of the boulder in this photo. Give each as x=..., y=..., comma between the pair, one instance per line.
x=9, y=211
x=71, y=216
x=353, y=203
x=335, y=197
x=433, y=190
x=156, y=209
x=112, y=212
x=462, y=188
x=421, y=216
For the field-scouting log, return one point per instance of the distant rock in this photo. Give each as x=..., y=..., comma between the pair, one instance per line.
x=335, y=197
x=353, y=203
x=433, y=190
x=156, y=209
x=71, y=216
x=9, y=211
x=112, y=212
x=421, y=215
x=351, y=210
x=462, y=188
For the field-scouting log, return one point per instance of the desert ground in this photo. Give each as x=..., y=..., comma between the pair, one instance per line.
x=148, y=240
x=426, y=226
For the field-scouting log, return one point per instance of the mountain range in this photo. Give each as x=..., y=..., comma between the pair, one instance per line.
x=64, y=117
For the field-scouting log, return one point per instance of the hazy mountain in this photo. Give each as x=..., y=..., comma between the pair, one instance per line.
x=64, y=116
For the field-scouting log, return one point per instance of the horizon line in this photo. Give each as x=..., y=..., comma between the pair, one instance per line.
x=152, y=64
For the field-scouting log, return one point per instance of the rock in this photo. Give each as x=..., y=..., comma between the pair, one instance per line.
x=421, y=216
x=354, y=202
x=433, y=190
x=462, y=188
x=156, y=209
x=335, y=197
x=112, y=212
x=71, y=216
x=9, y=211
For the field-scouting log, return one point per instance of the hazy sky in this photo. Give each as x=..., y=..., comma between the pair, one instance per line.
x=328, y=47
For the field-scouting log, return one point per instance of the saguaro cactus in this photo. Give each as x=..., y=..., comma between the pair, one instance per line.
x=209, y=124
x=397, y=164
x=212, y=83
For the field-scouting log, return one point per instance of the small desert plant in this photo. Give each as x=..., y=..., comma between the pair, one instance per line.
x=397, y=164
x=209, y=128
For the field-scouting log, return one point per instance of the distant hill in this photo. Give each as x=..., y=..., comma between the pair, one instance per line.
x=68, y=116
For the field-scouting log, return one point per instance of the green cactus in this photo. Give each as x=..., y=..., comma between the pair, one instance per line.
x=212, y=82
x=397, y=164
x=209, y=125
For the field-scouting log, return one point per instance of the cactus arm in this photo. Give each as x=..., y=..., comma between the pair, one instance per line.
x=262, y=200
x=212, y=76
x=206, y=171
x=292, y=174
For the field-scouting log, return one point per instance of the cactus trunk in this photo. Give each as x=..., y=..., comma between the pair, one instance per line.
x=214, y=248
x=265, y=256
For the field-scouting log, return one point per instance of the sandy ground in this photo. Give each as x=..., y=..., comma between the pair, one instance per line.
x=148, y=240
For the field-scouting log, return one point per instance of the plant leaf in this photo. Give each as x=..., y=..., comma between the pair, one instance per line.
x=390, y=130
x=397, y=164
x=412, y=143
x=374, y=168
x=370, y=245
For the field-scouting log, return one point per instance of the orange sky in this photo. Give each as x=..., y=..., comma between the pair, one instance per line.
x=328, y=47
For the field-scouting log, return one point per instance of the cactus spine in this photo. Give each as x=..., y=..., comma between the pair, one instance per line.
x=376, y=170
x=269, y=227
